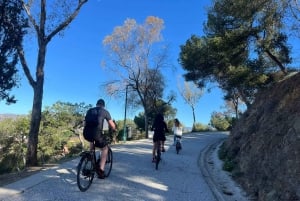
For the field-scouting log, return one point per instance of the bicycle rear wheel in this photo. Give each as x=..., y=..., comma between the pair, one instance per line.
x=109, y=162
x=158, y=155
x=85, y=172
x=178, y=147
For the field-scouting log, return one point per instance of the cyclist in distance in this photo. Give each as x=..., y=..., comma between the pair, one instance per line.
x=93, y=131
x=177, y=130
x=160, y=128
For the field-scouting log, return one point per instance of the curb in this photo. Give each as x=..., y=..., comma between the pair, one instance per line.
x=203, y=164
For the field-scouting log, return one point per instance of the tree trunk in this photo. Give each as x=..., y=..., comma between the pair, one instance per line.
x=34, y=126
x=244, y=97
x=38, y=85
x=236, y=106
x=236, y=112
x=276, y=60
x=36, y=113
x=194, y=117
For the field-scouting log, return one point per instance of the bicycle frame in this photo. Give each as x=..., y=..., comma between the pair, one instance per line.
x=88, y=165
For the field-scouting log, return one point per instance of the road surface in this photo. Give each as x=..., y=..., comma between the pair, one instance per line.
x=133, y=176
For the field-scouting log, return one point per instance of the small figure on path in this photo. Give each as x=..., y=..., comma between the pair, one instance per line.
x=177, y=130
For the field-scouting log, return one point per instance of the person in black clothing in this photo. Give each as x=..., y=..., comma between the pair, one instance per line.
x=94, y=132
x=160, y=128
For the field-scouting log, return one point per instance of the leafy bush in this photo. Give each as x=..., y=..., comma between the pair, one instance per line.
x=74, y=149
x=228, y=164
x=11, y=163
x=220, y=121
x=13, y=132
x=198, y=127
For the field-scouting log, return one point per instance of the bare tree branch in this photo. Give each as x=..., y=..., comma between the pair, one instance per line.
x=25, y=66
x=67, y=21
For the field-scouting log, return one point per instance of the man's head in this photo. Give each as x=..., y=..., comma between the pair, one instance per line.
x=100, y=102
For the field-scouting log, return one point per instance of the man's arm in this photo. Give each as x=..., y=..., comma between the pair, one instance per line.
x=111, y=124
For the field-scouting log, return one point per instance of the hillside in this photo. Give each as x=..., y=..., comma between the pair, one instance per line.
x=265, y=144
x=10, y=116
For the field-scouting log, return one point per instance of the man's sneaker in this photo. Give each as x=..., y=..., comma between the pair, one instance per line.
x=101, y=174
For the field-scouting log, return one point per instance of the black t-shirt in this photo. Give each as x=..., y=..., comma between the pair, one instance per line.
x=160, y=127
x=101, y=113
x=93, y=131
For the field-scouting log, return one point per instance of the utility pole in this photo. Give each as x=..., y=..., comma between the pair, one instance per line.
x=124, y=128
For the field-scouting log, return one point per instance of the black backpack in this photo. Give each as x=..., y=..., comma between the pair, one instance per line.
x=91, y=117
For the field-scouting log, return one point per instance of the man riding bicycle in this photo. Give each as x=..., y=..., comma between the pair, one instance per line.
x=93, y=131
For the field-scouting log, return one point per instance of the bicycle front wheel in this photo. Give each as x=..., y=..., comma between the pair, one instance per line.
x=109, y=162
x=85, y=172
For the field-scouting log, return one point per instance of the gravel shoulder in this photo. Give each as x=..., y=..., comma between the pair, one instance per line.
x=221, y=182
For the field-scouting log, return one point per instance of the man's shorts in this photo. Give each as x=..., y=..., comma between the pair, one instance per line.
x=92, y=134
x=159, y=137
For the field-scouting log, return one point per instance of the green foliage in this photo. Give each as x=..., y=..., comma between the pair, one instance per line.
x=13, y=134
x=120, y=128
x=167, y=109
x=12, y=26
x=198, y=127
x=228, y=164
x=74, y=149
x=60, y=122
x=158, y=107
x=243, y=46
x=11, y=163
x=61, y=126
x=220, y=121
x=140, y=121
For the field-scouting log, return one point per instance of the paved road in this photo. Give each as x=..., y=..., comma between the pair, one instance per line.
x=133, y=176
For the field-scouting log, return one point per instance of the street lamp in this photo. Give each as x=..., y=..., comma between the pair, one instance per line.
x=124, y=128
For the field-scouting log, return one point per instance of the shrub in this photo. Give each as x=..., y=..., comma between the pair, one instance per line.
x=200, y=127
x=220, y=121
x=228, y=164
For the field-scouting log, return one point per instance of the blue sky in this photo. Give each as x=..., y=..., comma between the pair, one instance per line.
x=73, y=72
